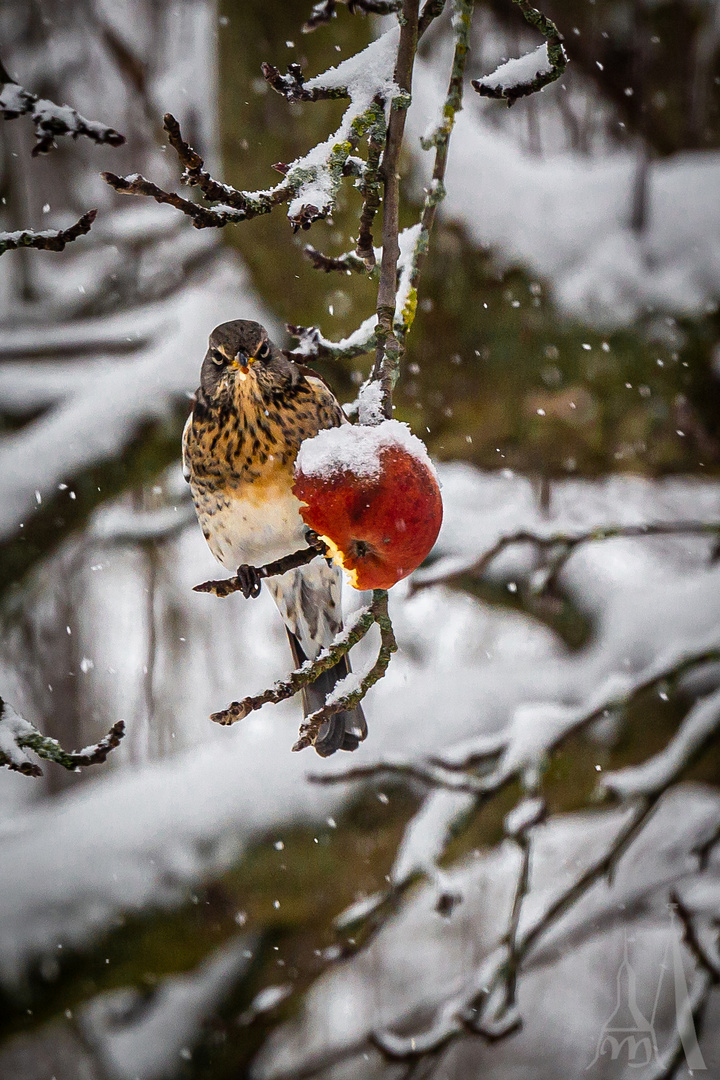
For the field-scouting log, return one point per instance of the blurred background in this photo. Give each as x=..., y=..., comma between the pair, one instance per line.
x=173, y=912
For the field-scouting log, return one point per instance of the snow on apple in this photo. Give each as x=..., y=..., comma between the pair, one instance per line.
x=371, y=493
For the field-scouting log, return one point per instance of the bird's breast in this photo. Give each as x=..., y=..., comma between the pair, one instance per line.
x=256, y=523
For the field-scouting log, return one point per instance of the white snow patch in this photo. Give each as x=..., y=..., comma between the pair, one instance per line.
x=357, y=449
x=519, y=72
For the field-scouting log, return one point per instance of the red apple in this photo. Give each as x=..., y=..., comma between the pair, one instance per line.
x=371, y=494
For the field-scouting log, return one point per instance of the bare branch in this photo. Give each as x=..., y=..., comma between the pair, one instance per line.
x=226, y=586
x=202, y=217
x=48, y=239
x=567, y=543
x=51, y=121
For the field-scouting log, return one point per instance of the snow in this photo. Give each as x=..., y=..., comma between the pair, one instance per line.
x=138, y=1041
x=357, y=449
x=522, y=817
x=370, y=407
x=365, y=75
x=656, y=773
x=11, y=726
x=418, y=961
x=362, y=339
x=519, y=72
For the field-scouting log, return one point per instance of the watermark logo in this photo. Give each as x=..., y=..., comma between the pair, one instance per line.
x=628, y=1036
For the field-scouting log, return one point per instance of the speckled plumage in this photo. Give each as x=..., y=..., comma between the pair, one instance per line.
x=253, y=409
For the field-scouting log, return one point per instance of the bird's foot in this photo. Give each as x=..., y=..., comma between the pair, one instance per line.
x=249, y=580
x=313, y=540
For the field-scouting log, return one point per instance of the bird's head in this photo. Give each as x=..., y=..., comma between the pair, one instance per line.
x=241, y=352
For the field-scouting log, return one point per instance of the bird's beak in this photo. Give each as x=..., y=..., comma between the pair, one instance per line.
x=242, y=361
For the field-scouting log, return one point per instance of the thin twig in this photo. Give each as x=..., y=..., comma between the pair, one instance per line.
x=226, y=586
x=50, y=120
x=202, y=217
x=48, y=239
x=302, y=676
x=492, y=85
x=291, y=86
x=325, y=10
x=388, y=350
x=347, y=263
x=455, y=776
x=567, y=543
x=310, y=727
x=370, y=189
x=17, y=735
x=440, y=139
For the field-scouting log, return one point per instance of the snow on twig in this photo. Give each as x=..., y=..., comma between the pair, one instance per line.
x=18, y=735
x=50, y=120
x=698, y=728
x=534, y=732
x=532, y=72
x=312, y=343
x=310, y=184
x=47, y=239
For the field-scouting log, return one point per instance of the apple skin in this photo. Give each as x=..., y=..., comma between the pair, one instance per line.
x=379, y=528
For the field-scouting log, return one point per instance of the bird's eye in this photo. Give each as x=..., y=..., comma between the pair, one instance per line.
x=263, y=351
x=217, y=358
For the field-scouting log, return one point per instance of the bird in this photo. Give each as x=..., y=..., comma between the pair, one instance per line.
x=253, y=409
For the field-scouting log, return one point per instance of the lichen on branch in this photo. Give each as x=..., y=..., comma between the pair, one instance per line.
x=48, y=239
x=532, y=72
x=18, y=735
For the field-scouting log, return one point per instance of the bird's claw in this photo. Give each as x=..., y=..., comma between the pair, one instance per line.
x=250, y=580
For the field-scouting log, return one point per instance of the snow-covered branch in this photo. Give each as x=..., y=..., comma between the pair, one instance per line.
x=311, y=183
x=48, y=239
x=532, y=72
x=18, y=735
x=350, y=693
x=51, y=121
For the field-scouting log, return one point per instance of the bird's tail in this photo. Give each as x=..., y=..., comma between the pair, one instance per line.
x=344, y=730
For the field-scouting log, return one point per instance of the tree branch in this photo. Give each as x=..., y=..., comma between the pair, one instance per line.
x=50, y=120
x=48, y=239
x=388, y=349
x=18, y=735
x=517, y=78
x=226, y=586
x=310, y=727
x=567, y=543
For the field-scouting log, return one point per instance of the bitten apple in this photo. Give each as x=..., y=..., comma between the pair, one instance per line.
x=372, y=495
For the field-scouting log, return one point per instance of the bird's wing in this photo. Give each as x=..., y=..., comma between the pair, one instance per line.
x=309, y=600
x=185, y=456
